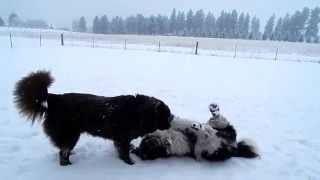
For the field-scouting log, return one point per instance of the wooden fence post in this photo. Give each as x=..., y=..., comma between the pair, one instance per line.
x=40, y=41
x=92, y=42
x=71, y=39
x=235, y=51
x=159, y=46
x=276, y=56
x=11, y=44
x=125, y=44
x=62, y=41
x=197, y=44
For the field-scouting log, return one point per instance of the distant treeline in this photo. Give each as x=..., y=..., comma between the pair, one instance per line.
x=302, y=26
x=15, y=21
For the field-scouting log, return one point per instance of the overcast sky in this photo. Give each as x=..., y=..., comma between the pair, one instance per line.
x=62, y=12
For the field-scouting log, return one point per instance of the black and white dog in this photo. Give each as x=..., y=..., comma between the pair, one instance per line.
x=213, y=141
x=167, y=143
x=66, y=116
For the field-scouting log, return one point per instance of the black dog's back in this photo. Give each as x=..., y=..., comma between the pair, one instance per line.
x=110, y=117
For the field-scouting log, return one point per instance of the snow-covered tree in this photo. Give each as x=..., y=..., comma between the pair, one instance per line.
x=278, y=30
x=152, y=24
x=181, y=23
x=220, y=25
x=312, y=29
x=173, y=21
x=14, y=20
x=2, y=22
x=209, y=25
x=189, y=22
x=96, y=25
x=255, y=29
x=131, y=25
x=104, y=25
x=243, y=25
x=198, y=23
x=234, y=24
x=141, y=24
x=164, y=24
x=82, y=24
x=268, y=30
x=246, y=26
x=297, y=25
x=117, y=25
x=75, y=26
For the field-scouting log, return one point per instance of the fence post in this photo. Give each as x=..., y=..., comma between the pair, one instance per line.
x=276, y=56
x=11, y=44
x=197, y=44
x=71, y=39
x=62, y=41
x=92, y=42
x=159, y=46
x=125, y=44
x=235, y=51
x=40, y=40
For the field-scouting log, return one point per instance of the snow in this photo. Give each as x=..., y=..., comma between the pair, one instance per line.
x=273, y=103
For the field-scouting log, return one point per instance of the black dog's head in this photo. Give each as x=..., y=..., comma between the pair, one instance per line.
x=163, y=116
x=153, y=114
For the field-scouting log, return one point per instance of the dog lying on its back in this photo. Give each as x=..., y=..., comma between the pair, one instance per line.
x=66, y=116
x=213, y=141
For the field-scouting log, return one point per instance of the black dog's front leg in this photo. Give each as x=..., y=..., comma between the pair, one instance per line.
x=123, y=148
x=64, y=157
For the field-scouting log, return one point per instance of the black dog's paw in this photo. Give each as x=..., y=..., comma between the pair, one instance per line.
x=65, y=163
x=128, y=161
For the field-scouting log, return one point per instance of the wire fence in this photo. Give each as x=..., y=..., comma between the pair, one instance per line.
x=236, y=49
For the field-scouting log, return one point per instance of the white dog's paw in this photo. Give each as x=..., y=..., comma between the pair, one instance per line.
x=196, y=126
x=219, y=122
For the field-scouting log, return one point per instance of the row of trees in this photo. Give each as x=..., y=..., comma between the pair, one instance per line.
x=300, y=26
x=227, y=25
x=15, y=21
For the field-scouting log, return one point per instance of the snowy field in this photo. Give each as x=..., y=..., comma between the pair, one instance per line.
x=274, y=103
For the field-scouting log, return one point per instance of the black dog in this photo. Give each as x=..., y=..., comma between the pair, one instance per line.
x=66, y=116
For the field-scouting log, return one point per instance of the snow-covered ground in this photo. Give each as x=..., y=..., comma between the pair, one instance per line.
x=274, y=103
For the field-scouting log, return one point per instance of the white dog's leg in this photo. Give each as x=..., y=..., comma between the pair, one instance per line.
x=181, y=124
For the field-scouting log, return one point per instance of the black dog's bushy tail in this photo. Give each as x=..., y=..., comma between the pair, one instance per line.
x=31, y=94
x=246, y=148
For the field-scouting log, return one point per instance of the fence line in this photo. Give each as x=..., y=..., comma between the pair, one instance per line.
x=196, y=52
